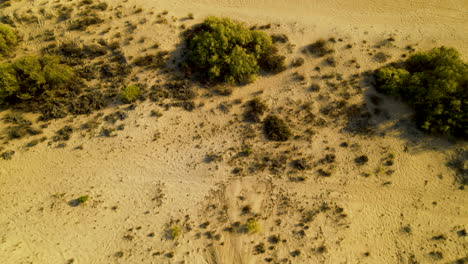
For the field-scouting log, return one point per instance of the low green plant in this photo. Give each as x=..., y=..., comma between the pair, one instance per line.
x=82, y=199
x=174, y=232
x=276, y=129
x=8, y=39
x=222, y=50
x=252, y=226
x=435, y=85
x=129, y=94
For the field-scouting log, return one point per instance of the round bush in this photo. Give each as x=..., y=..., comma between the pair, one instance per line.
x=276, y=129
x=222, y=50
x=8, y=39
x=129, y=94
x=435, y=85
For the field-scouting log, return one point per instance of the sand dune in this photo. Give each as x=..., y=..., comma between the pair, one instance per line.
x=153, y=175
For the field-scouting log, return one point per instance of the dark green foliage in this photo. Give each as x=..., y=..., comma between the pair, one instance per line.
x=152, y=61
x=272, y=62
x=7, y=155
x=459, y=162
x=8, y=39
x=129, y=94
x=319, y=48
x=63, y=134
x=435, y=85
x=361, y=160
x=116, y=116
x=222, y=50
x=85, y=20
x=20, y=131
x=281, y=38
x=29, y=76
x=297, y=62
x=255, y=109
x=276, y=129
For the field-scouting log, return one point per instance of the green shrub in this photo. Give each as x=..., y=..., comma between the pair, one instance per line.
x=223, y=50
x=30, y=76
x=319, y=48
x=8, y=39
x=276, y=129
x=255, y=109
x=82, y=199
x=435, y=85
x=8, y=82
x=129, y=94
x=252, y=226
x=174, y=232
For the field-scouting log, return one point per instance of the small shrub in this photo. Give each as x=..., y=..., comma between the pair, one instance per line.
x=7, y=155
x=85, y=20
x=82, y=199
x=255, y=109
x=222, y=50
x=276, y=129
x=435, y=85
x=252, y=226
x=297, y=62
x=174, y=232
x=8, y=39
x=319, y=48
x=129, y=94
x=63, y=134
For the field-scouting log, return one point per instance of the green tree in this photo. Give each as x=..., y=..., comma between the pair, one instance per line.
x=224, y=50
x=435, y=84
x=8, y=39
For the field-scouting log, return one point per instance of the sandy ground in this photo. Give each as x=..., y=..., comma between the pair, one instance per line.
x=410, y=211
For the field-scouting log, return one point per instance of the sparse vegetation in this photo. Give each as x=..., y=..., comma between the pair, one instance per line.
x=8, y=39
x=276, y=129
x=222, y=50
x=435, y=85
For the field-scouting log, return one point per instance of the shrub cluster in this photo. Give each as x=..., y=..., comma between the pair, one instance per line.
x=31, y=76
x=435, y=85
x=8, y=39
x=222, y=50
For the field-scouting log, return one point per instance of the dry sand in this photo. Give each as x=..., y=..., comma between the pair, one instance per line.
x=140, y=187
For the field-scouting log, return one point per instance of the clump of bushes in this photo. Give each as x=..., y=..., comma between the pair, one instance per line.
x=129, y=94
x=8, y=39
x=222, y=50
x=435, y=85
x=276, y=129
x=30, y=76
